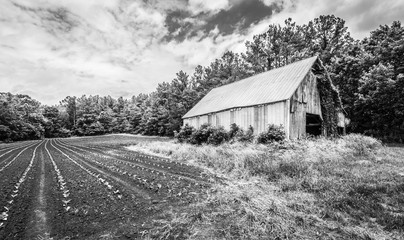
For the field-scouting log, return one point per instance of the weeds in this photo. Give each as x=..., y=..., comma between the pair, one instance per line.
x=347, y=188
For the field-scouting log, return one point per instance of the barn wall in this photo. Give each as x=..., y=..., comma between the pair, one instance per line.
x=297, y=127
x=312, y=94
x=306, y=99
x=202, y=119
x=223, y=119
x=243, y=117
x=190, y=121
x=259, y=117
x=277, y=114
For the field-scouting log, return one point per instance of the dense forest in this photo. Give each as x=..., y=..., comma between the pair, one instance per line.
x=368, y=73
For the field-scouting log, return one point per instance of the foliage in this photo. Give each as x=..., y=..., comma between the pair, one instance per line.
x=19, y=118
x=213, y=135
x=185, y=133
x=234, y=129
x=218, y=136
x=362, y=145
x=330, y=104
x=273, y=134
x=203, y=134
x=245, y=136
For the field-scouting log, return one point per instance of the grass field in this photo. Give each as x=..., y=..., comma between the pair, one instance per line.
x=350, y=188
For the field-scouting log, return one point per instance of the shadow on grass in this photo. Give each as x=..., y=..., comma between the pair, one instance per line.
x=374, y=203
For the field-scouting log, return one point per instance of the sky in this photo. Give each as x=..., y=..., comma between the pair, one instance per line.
x=50, y=49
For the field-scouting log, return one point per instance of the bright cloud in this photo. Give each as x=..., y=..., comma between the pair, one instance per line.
x=198, y=6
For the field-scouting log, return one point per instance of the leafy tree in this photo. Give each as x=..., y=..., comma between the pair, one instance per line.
x=71, y=109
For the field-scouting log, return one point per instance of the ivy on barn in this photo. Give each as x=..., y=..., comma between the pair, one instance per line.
x=330, y=100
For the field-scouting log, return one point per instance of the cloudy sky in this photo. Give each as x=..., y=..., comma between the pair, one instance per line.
x=50, y=49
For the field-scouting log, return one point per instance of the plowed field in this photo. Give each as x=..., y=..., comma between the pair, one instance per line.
x=88, y=188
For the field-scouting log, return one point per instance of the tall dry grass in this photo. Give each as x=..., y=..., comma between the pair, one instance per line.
x=347, y=188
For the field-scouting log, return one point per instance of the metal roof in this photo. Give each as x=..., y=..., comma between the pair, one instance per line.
x=272, y=86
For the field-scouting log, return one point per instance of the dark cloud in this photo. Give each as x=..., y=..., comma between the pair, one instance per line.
x=240, y=17
x=54, y=20
x=181, y=24
x=178, y=28
x=62, y=19
x=7, y=46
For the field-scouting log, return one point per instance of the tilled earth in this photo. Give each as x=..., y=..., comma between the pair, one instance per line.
x=67, y=189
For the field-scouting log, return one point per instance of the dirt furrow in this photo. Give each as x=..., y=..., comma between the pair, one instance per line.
x=97, y=204
x=10, y=162
x=61, y=180
x=152, y=167
x=14, y=213
x=15, y=146
x=38, y=226
x=105, y=174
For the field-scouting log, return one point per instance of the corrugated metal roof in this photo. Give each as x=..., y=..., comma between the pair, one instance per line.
x=272, y=86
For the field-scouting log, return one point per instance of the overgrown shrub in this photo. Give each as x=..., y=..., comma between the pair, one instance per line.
x=185, y=133
x=245, y=136
x=201, y=135
x=218, y=136
x=209, y=134
x=234, y=128
x=362, y=145
x=273, y=134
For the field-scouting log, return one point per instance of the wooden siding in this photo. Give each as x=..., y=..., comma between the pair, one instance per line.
x=312, y=95
x=259, y=117
x=306, y=99
x=223, y=119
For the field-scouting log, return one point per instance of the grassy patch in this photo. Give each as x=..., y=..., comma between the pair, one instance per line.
x=348, y=188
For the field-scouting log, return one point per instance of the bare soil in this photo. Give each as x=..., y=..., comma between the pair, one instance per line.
x=84, y=189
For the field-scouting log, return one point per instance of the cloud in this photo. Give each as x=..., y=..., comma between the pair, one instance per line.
x=79, y=47
x=361, y=16
x=207, y=6
x=235, y=17
x=51, y=49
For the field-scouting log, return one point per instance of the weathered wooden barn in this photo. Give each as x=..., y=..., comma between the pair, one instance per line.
x=287, y=96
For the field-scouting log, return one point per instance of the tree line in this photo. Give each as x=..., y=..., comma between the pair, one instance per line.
x=368, y=73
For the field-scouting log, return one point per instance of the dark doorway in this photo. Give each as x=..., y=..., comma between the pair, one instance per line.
x=313, y=124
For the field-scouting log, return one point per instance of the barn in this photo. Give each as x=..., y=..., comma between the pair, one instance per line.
x=287, y=96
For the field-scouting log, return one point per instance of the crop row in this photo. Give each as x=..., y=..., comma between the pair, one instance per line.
x=99, y=178
x=175, y=169
x=61, y=181
x=14, y=146
x=10, y=151
x=157, y=181
x=93, y=199
x=10, y=162
x=6, y=209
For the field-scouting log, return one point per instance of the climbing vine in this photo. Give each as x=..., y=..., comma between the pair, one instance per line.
x=330, y=101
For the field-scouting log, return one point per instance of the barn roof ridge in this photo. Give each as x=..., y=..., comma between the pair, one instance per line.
x=271, y=86
x=263, y=73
